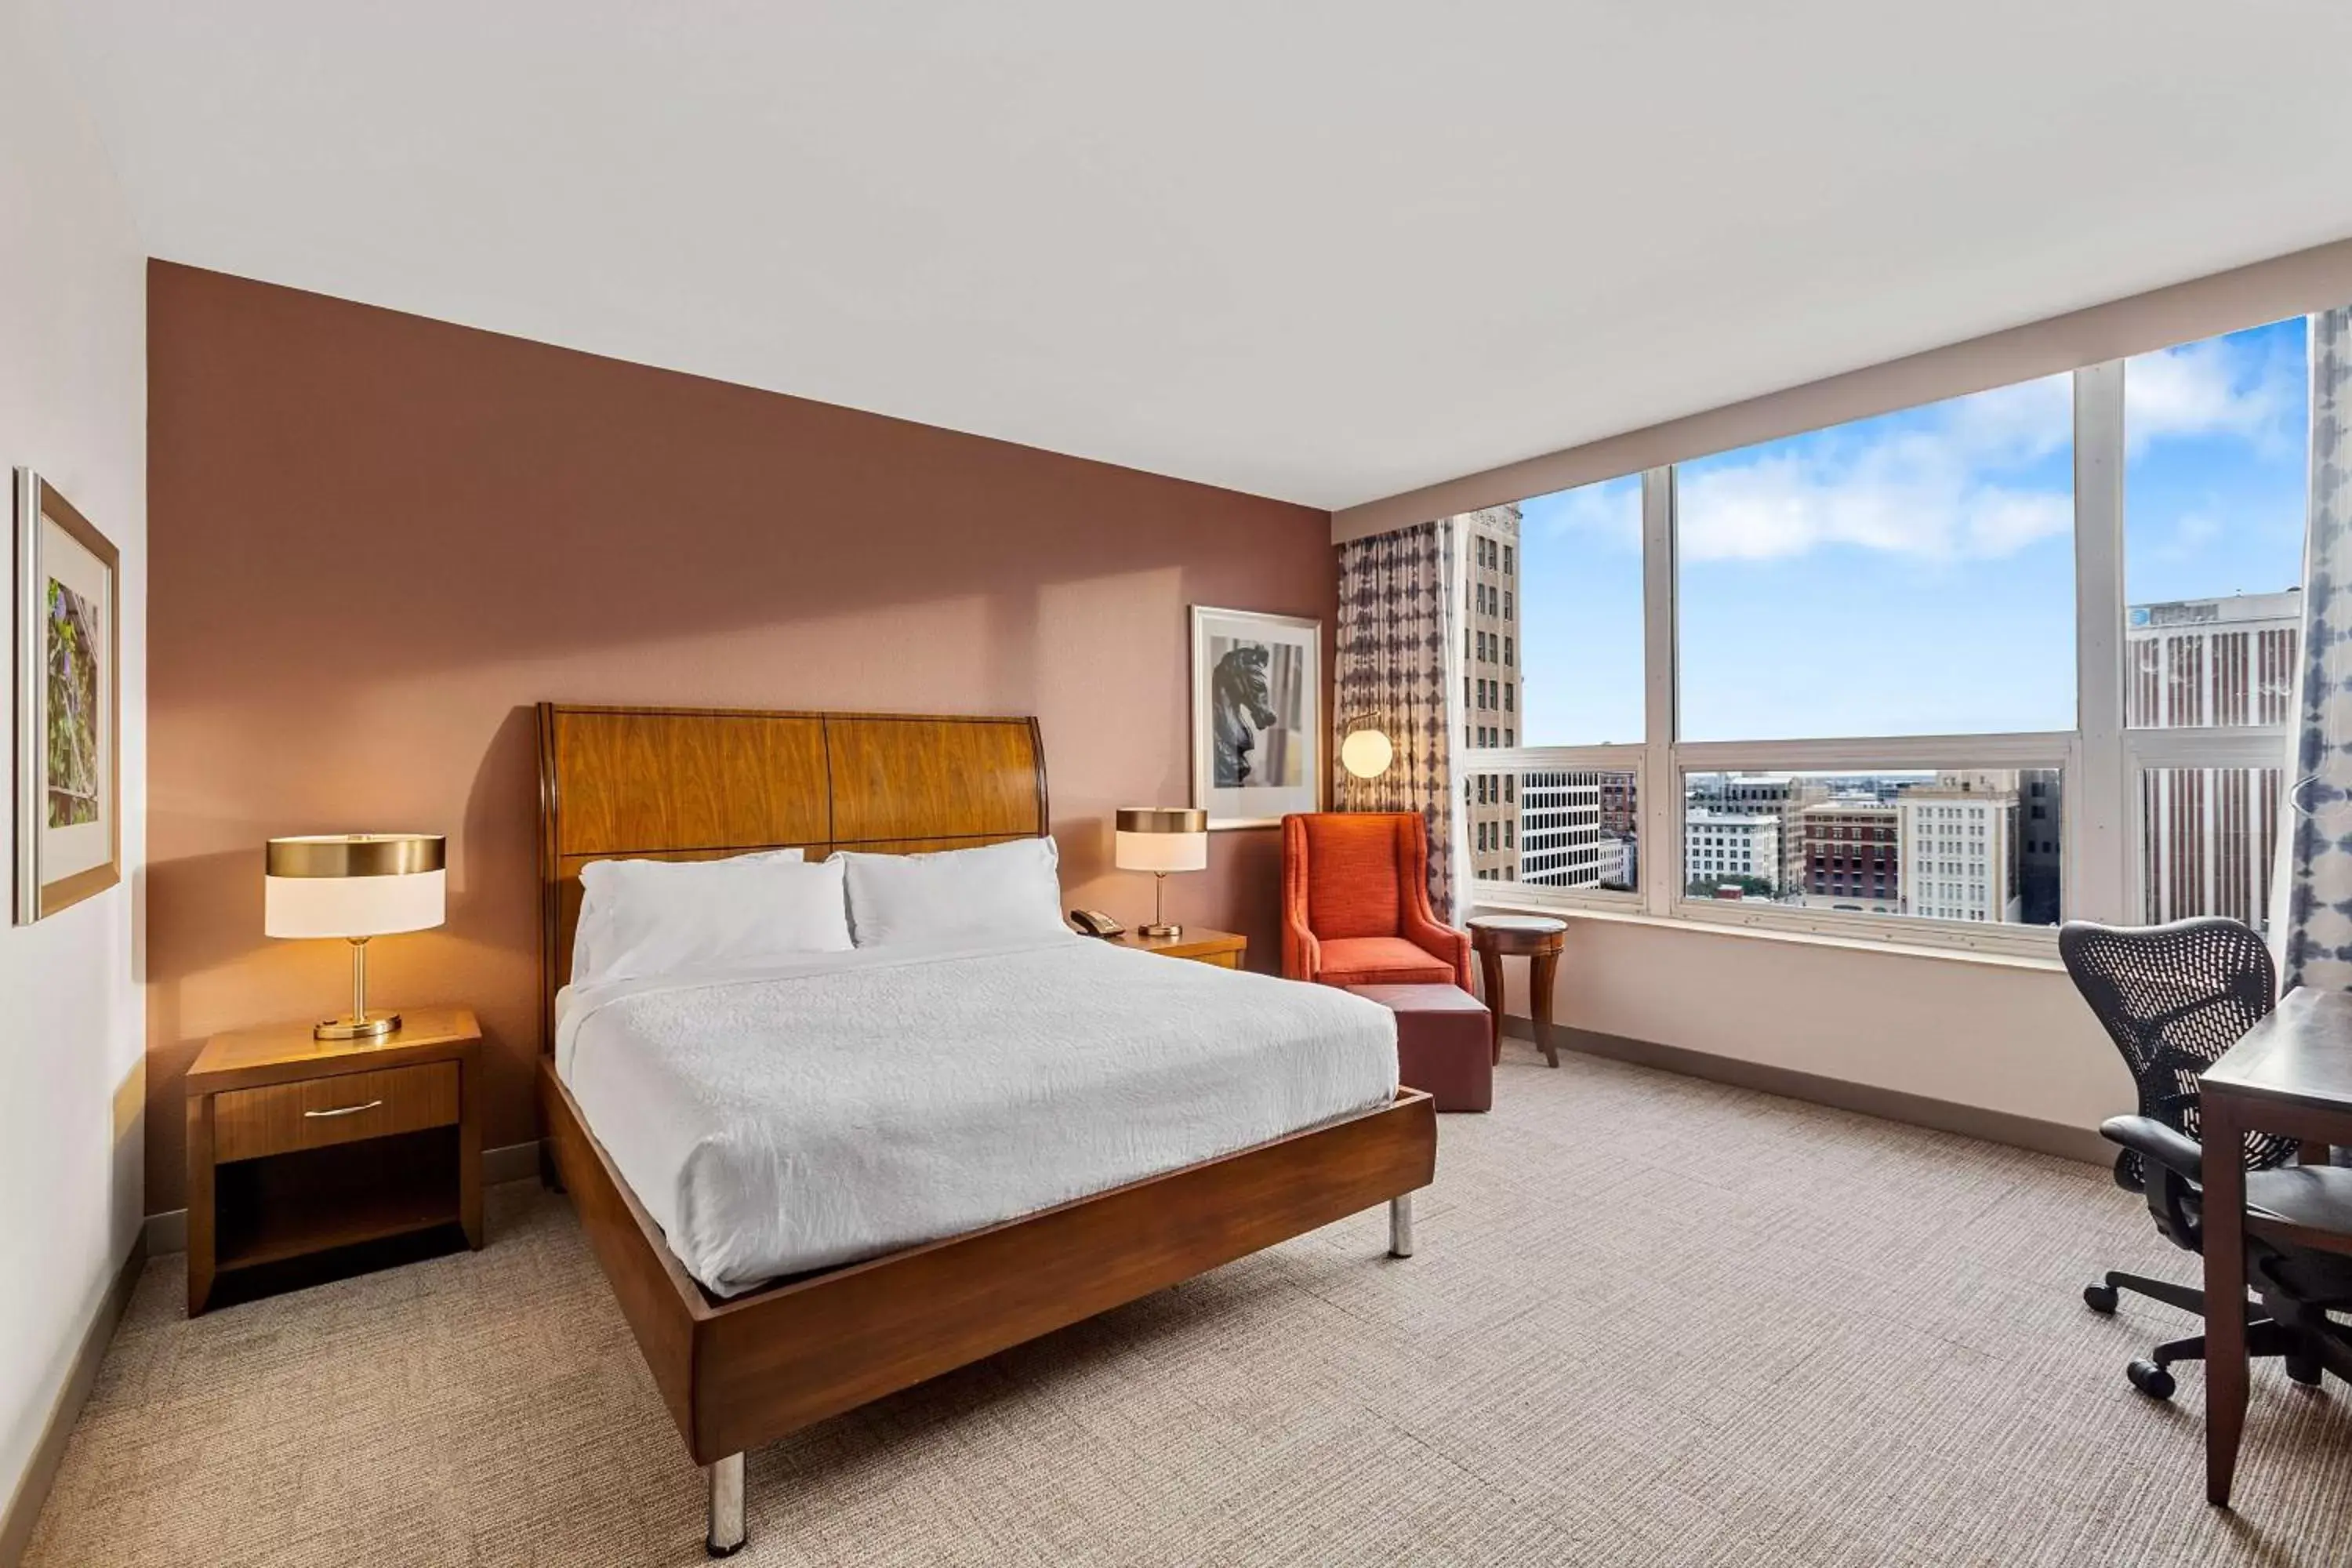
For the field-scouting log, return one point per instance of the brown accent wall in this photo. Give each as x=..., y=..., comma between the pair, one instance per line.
x=376, y=540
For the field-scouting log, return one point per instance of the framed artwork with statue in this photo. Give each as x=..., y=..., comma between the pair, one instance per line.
x=1257, y=725
x=68, y=660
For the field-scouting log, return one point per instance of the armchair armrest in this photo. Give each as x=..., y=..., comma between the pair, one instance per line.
x=1302, y=955
x=1420, y=928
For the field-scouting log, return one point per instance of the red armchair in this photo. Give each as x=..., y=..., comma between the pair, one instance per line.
x=1355, y=903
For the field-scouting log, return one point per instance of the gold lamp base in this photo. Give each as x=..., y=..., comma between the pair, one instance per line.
x=1160, y=931
x=372, y=1026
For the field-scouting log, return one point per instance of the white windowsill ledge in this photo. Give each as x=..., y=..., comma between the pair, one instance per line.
x=1883, y=948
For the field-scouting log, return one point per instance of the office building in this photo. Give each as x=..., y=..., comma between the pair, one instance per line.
x=1959, y=848
x=2210, y=833
x=1490, y=683
x=1731, y=846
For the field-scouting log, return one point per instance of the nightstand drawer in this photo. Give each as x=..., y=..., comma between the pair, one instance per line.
x=250, y=1123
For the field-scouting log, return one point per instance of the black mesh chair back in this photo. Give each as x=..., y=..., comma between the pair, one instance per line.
x=2173, y=999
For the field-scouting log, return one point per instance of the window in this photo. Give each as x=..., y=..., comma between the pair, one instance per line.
x=1581, y=559
x=2216, y=470
x=1870, y=720
x=1793, y=556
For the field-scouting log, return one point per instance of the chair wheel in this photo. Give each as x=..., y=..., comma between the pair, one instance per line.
x=2099, y=1297
x=2151, y=1379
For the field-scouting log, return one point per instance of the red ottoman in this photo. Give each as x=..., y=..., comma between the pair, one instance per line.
x=1444, y=1042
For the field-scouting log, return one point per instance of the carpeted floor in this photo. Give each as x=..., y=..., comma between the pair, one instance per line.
x=1652, y=1321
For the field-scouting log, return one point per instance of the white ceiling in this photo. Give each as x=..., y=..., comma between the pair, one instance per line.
x=1326, y=251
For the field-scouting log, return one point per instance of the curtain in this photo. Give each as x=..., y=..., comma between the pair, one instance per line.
x=2316, y=931
x=1392, y=673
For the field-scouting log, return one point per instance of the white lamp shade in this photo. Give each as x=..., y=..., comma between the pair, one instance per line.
x=353, y=906
x=354, y=885
x=1160, y=838
x=1160, y=851
x=1367, y=753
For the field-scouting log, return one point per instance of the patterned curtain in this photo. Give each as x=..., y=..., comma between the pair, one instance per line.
x=1395, y=642
x=2317, y=927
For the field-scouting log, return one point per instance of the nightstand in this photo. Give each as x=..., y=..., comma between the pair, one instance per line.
x=299, y=1149
x=1225, y=949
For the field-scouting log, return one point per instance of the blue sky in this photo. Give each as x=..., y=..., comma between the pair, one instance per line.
x=1914, y=574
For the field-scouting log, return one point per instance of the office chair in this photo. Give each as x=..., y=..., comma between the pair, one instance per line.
x=2173, y=999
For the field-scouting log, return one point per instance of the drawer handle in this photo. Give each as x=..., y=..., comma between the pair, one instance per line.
x=341, y=1111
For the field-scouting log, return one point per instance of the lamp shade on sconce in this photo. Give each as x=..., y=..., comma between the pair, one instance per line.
x=1160, y=838
x=1366, y=753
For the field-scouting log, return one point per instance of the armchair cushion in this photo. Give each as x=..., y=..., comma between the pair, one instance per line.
x=1381, y=960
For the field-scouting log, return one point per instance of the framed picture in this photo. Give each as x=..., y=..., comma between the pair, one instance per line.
x=1257, y=718
x=68, y=658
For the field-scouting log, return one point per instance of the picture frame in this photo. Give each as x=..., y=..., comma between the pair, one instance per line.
x=1257, y=716
x=69, y=704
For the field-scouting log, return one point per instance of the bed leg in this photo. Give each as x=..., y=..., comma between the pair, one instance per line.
x=726, y=1507
x=1401, y=1226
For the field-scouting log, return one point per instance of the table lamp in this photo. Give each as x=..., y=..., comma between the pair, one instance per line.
x=354, y=886
x=1161, y=839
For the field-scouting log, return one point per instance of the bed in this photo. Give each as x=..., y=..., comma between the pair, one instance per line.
x=791, y=1305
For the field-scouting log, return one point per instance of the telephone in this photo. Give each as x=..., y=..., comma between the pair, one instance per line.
x=1093, y=922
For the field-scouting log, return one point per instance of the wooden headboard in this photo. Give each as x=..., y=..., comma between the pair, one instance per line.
x=698, y=783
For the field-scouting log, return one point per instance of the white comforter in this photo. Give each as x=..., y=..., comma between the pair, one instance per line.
x=858, y=1102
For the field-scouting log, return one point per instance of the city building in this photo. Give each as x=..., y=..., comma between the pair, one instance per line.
x=1621, y=803
x=2041, y=857
x=1776, y=795
x=1727, y=846
x=1850, y=854
x=1493, y=824
x=1490, y=684
x=1559, y=836
x=1620, y=862
x=1959, y=848
x=2210, y=834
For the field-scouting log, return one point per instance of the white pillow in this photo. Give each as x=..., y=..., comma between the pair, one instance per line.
x=1001, y=890
x=642, y=918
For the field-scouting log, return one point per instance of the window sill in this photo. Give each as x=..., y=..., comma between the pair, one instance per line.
x=1878, y=946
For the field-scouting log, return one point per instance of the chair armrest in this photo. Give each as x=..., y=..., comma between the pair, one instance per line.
x=1302, y=955
x=2169, y=1147
x=2177, y=1166
x=1438, y=940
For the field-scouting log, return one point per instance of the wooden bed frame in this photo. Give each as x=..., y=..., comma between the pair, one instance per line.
x=678, y=783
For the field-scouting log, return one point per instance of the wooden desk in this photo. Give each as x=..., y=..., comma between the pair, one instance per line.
x=2292, y=1075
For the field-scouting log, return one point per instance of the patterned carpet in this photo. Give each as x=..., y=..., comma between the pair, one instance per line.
x=1652, y=1321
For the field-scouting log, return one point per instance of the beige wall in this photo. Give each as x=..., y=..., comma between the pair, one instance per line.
x=2008, y=1037
x=378, y=539
x=72, y=407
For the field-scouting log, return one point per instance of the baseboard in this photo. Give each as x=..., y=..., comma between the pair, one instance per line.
x=1891, y=1105
x=24, y=1509
x=168, y=1232
x=510, y=1162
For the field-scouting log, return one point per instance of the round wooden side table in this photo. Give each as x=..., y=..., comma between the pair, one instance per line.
x=1539, y=940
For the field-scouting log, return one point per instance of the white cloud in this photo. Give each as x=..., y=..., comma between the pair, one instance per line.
x=1612, y=511
x=1951, y=481
x=1942, y=483
x=2221, y=387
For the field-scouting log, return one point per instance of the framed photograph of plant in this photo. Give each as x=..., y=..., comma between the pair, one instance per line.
x=67, y=665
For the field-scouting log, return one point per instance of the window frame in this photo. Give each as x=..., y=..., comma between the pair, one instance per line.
x=2100, y=762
